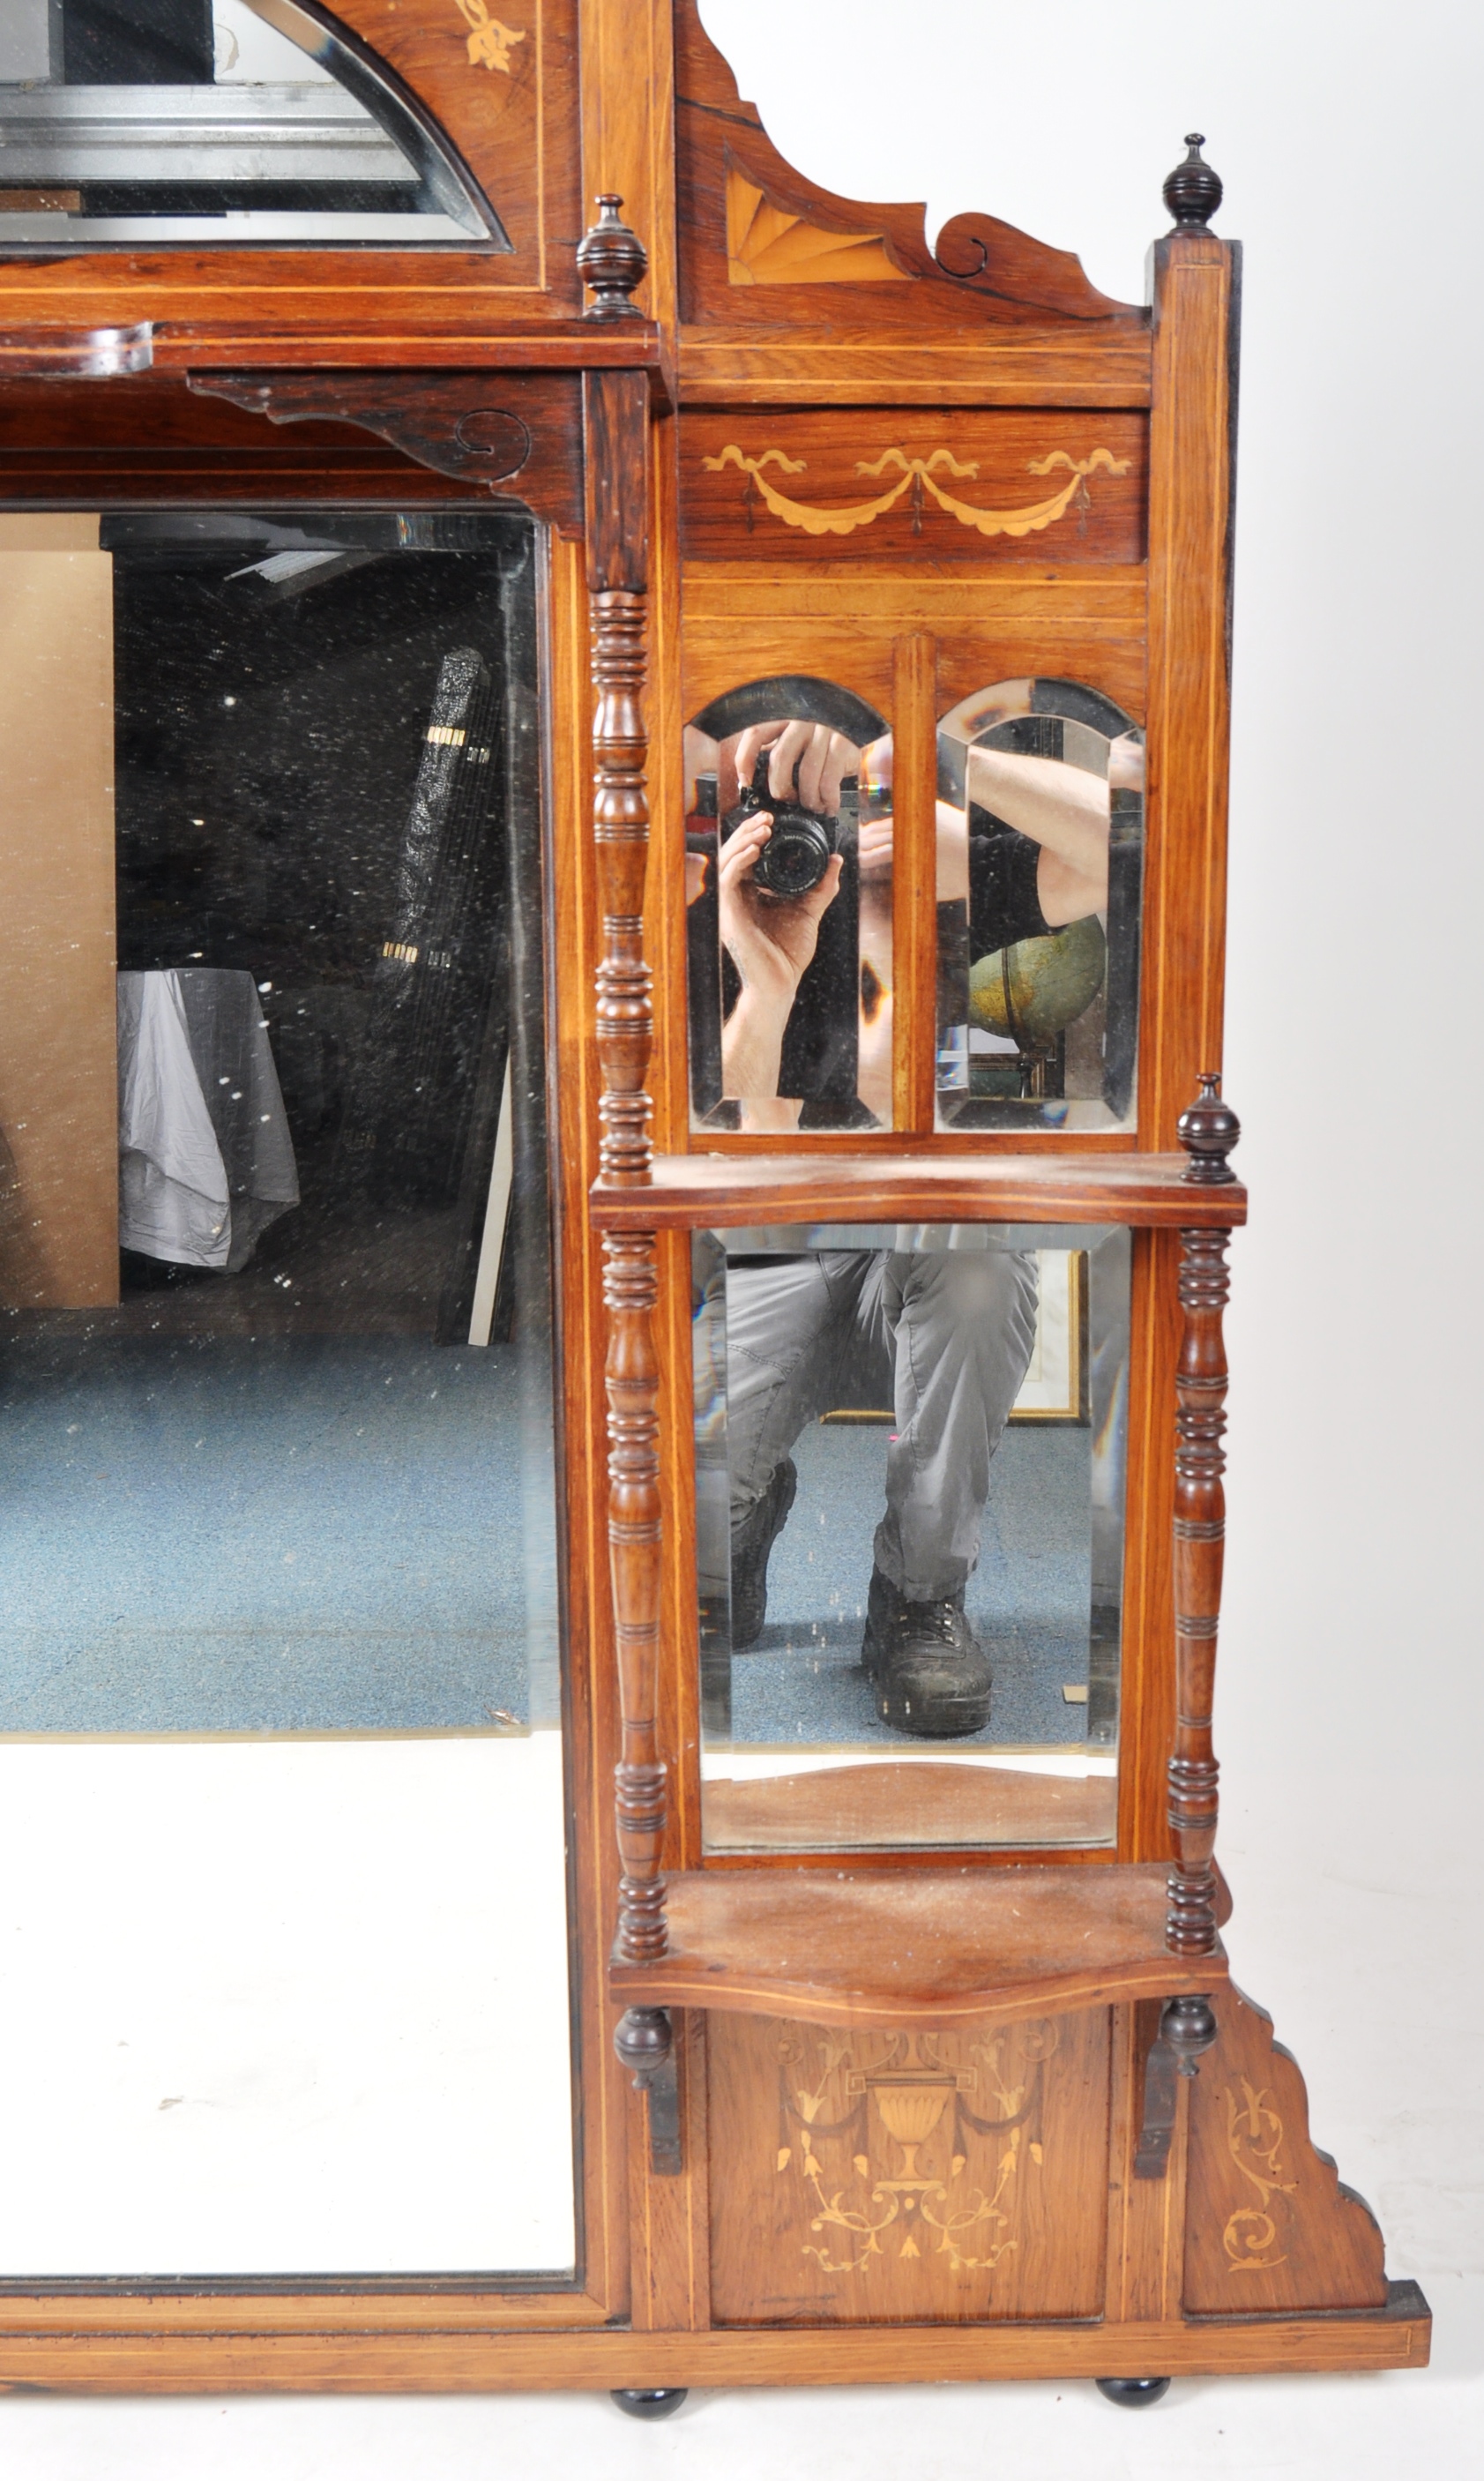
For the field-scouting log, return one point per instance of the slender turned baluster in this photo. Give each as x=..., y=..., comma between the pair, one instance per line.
x=1207, y=1131
x=615, y=415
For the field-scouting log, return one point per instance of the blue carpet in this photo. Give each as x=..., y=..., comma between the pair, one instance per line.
x=1029, y=1600
x=320, y=1534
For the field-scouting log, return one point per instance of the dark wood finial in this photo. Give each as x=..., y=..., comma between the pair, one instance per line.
x=642, y=2038
x=612, y=262
x=1189, y=2027
x=1207, y=1131
x=1192, y=193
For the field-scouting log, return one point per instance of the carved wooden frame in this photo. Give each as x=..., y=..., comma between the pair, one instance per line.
x=572, y=414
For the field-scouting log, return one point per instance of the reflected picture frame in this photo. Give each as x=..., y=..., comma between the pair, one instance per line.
x=1054, y=1388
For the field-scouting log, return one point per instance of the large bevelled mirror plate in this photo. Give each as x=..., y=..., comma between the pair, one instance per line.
x=280, y=1705
x=910, y=1449
x=216, y=122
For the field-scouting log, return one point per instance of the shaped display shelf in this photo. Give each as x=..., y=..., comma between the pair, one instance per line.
x=1143, y=1190
x=899, y=1947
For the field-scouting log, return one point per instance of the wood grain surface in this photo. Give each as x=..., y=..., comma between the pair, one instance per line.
x=442, y=2360
x=852, y=1947
x=873, y=2174
x=1053, y=1187
x=515, y=435
x=1189, y=684
x=1270, y=2227
x=1146, y=2218
x=837, y=464
x=1022, y=366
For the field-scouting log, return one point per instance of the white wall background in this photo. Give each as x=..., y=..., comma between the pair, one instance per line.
x=1347, y=131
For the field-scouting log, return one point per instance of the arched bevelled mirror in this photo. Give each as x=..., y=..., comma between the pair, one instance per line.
x=788, y=908
x=215, y=122
x=1040, y=863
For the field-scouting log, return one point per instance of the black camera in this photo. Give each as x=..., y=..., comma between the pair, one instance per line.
x=798, y=851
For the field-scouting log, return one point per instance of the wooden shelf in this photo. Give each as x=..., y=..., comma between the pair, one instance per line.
x=878, y=1947
x=1144, y=1189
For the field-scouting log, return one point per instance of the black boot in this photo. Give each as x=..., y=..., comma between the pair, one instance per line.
x=753, y=1541
x=931, y=1674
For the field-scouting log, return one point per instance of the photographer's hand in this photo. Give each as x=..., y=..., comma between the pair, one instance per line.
x=772, y=942
x=824, y=759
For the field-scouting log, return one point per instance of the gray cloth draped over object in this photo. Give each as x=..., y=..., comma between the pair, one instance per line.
x=205, y=1158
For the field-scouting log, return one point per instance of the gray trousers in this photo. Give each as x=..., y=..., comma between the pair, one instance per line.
x=941, y=1336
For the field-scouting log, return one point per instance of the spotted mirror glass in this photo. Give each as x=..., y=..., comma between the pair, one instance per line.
x=788, y=908
x=1040, y=870
x=219, y=122
x=909, y=1456
x=279, y=1638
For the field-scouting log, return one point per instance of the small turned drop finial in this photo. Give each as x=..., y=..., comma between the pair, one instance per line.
x=612, y=262
x=643, y=2040
x=1192, y=193
x=1190, y=2029
x=1207, y=1131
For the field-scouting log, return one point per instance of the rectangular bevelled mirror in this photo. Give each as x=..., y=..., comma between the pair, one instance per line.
x=910, y=1450
x=280, y=1676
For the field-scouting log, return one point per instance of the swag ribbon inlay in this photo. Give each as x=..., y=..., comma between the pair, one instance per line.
x=917, y=474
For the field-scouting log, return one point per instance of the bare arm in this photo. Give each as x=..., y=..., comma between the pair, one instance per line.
x=771, y=941
x=1062, y=809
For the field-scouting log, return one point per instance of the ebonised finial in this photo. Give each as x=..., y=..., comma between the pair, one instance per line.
x=1191, y=2028
x=1192, y=193
x=612, y=262
x=643, y=2038
x=1207, y=1130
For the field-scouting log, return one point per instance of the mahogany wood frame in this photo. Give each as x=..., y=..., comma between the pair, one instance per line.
x=404, y=378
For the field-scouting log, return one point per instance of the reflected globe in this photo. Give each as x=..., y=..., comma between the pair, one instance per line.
x=1039, y=986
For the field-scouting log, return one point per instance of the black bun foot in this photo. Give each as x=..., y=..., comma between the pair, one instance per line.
x=1133, y=2391
x=656, y=2403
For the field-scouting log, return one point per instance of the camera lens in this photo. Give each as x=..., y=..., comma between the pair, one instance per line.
x=799, y=844
x=797, y=854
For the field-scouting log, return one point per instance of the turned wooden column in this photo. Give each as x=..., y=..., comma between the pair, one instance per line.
x=615, y=420
x=1207, y=1131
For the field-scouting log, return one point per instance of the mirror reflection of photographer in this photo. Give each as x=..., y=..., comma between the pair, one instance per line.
x=1041, y=859
x=781, y=858
x=1040, y=819
x=941, y=1328
x=789, y=889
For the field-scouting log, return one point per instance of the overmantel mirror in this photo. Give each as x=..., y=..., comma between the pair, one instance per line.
x=613, y=1196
